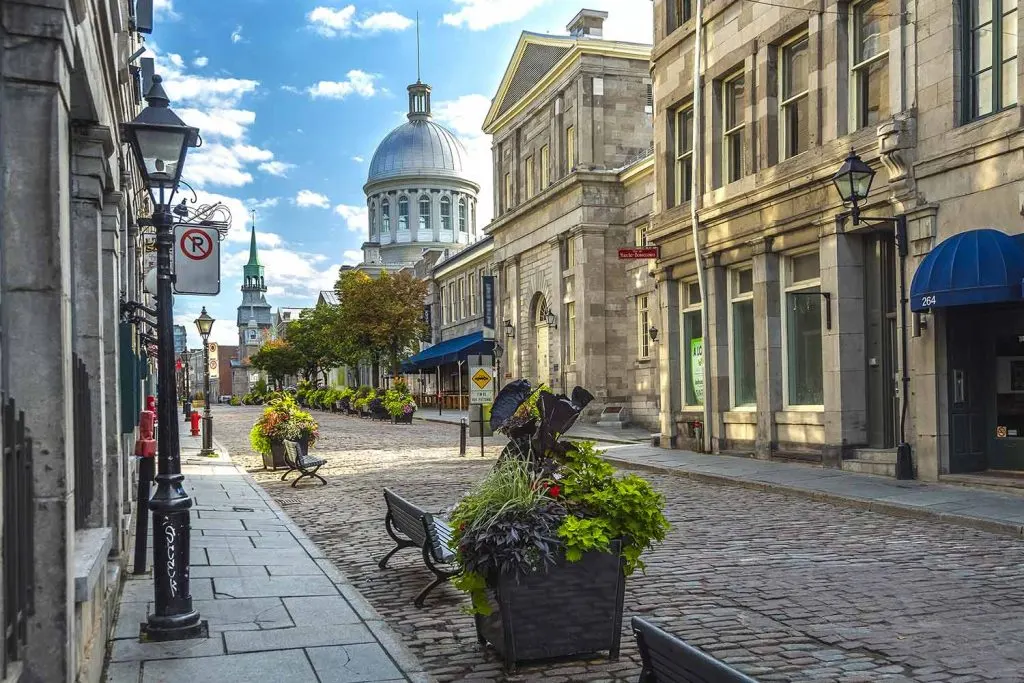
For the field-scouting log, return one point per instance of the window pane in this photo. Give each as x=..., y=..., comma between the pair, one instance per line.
x=743, y=352
x=983, y=93
x=743, y=282
x=734, y=105
x=1009, y=84
x=872, y=29
x=981, y=12
x=794, y=78
x=873, y=93
x=982, y=48
x=693, y=294
x=797, y=134
x=804, y=267
x=734, y=156
x=1009, y=36
x=803, y=352
x=693, y=351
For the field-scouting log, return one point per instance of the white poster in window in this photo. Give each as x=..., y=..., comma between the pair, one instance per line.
x=697, y=369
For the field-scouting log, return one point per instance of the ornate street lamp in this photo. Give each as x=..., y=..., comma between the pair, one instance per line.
x=204, y=323
x=159, y=141
x=853, y=183
x=550, y=318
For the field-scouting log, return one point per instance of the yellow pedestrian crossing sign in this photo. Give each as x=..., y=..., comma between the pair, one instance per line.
x=482, y=378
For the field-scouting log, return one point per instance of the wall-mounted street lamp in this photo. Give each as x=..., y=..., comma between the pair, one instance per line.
x=159, y=141
x=510, y=330
x=204, y=323
x=552, y=321
x=853, y=183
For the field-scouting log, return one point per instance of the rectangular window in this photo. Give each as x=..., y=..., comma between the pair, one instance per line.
x=462, y=298
x=802, y=329
x=443, y=304
x=472, y=295
x=680, y=12
x=734, y=113
x=741, y=294
x=649, y=106
x=508, y=191
x=530, y=170
x=451, y=302
x=570, y=315
x=640, y=234
x=869, y=70
x=570, y=253
x=793, y=99
x=643, y=326
x=693, y=346
x=570, y=148
x=545, y=160
x=683, y=145
x=990, y=53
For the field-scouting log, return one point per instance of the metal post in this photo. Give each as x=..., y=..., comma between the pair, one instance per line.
x=207, y=417
x=904, y=460
x=173, y=616
x=439, y=412
x=463, y=428
x=185, y=407
x=142, y=519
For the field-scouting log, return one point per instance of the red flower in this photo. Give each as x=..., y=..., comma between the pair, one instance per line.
x=554, y=490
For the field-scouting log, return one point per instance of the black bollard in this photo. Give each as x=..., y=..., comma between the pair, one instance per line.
x=463, y=429
x=146, y=474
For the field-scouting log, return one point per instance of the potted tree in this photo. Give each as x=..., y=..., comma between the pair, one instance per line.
x=552, y=525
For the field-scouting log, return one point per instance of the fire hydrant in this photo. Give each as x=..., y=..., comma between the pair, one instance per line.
x=195, y=423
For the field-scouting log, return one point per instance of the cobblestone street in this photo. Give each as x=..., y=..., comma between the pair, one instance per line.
x=783, y=588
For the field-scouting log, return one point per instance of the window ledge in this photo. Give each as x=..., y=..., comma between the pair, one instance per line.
x=643, y=362
x=91, y=549
x=801, y=415
x=740, y=415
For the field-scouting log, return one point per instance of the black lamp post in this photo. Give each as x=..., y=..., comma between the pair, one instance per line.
x=186, y=358
x=160, y=140
x=853, y=182
x=204, y=323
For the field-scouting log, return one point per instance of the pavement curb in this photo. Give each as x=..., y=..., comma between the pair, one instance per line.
x=893, y=509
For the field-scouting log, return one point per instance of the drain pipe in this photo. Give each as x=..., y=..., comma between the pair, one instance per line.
x=694, y=198
x=904, y=461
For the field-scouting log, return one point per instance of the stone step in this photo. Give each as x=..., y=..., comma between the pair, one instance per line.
x=883, y=455
x=885, y=469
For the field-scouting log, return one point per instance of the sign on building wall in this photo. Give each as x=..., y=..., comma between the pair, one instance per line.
x=638, y=253
x=428, y=333
x=488, y=292
x=697, y=369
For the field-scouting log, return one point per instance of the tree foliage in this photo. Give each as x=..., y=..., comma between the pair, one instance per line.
x=278, y=359
x=314, y=337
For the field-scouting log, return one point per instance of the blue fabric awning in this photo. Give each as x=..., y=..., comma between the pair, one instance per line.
x=448, y=351
x=974, y=267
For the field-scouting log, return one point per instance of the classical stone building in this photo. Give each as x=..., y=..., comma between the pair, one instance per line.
x=572, y=130
x=72, y=364
x=804, y=328
x=256, y=323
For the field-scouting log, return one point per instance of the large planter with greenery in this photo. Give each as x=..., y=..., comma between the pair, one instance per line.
x=275, y=458
x=547, y=540
x=281, y=419
x=399, y=403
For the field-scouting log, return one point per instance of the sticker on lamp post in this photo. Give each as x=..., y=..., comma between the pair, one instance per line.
x=196, y=260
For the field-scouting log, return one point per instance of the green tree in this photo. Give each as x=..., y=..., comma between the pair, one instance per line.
x=314, y=337
x=379, y=320
x=278, y=359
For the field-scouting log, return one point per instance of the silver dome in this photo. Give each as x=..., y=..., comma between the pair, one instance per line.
x=419, y=147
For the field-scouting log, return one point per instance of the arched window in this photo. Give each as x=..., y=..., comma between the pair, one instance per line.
x=462, y=214
x=446, y=213
x=385, y=217
x=424, y=213
x=403, y=213
x=373, y=216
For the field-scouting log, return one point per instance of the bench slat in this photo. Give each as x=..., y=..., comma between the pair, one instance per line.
x=674, y=661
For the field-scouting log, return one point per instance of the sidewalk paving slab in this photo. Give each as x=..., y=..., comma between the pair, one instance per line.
x=277, y=609
x=976, y=508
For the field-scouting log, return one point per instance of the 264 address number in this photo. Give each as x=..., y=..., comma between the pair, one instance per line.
x=928, y=301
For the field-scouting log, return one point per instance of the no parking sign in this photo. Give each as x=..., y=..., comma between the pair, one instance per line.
x=196, y=260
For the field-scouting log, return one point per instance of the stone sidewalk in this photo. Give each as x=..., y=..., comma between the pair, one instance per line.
x=960, y=505
x=278, y=610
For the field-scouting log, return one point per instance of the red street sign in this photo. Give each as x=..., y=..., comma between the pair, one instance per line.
x=196, y=244
x=638, y=253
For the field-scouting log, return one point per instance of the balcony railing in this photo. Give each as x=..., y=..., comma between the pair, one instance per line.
x=18, y=530
x=83, y=443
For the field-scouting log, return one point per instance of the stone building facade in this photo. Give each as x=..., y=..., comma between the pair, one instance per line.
x=572, y=128
x=804, y=322
x=71, y=360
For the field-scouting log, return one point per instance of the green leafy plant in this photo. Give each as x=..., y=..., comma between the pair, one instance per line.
x=362, y=398
x=235, y=401
x=282, y=419
x=398, y=404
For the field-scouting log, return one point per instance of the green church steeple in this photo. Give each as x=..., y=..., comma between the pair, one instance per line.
x=252, y=273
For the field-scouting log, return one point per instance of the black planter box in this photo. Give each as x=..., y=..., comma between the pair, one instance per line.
x=403, y=419
x=574, y=608
x=275, y=458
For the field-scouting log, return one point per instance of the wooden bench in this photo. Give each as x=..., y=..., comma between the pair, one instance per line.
x=413, y=527
x=298, y=460
x=666, y=659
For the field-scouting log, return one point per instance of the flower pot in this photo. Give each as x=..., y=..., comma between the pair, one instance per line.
x=573, y=608
x=275, y=458
x=402, y=419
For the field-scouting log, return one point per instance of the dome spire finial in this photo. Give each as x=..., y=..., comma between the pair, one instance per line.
x=417, y=46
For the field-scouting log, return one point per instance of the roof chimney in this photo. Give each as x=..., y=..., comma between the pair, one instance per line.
x=588, y=23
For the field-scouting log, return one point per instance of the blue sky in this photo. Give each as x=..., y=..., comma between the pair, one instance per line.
x=292, y=97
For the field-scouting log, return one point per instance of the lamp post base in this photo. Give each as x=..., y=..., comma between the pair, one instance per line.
x=176, y=628
x=207, y=449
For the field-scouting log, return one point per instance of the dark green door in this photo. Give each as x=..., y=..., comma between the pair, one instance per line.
x=967, y=433
x=1006, y=363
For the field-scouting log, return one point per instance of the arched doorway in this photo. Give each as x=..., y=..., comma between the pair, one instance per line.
x=541, y=357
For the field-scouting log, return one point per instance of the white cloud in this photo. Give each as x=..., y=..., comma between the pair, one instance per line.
x=330, y=22
x=236, y=35
x=351, y=257
x=250, y=153
x=357, y=83
x=164, y=9
x=308, y=198
x=358, y=159
x=176, y=60
x=356, y=217
x=201, y=61
x=228, y=123
x=465, y=116
x=199, y=91
x=278, y=168
x=478, y=15
x=289, y=273
x=266, y=203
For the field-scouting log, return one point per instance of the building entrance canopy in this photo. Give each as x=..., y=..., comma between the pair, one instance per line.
x=975, y=267
x=448, y=351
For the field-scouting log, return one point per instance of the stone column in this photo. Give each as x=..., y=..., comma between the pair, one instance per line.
x=592, y=318
x=669, y=362
x=557, y=336
x=111, y=273
x=87, y=301
x=35, y=248
x=767, y=346
x=716, y=350
x=842, y=347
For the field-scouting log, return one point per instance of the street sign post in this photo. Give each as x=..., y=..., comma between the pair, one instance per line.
x=481, y=396
x=196, y=260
